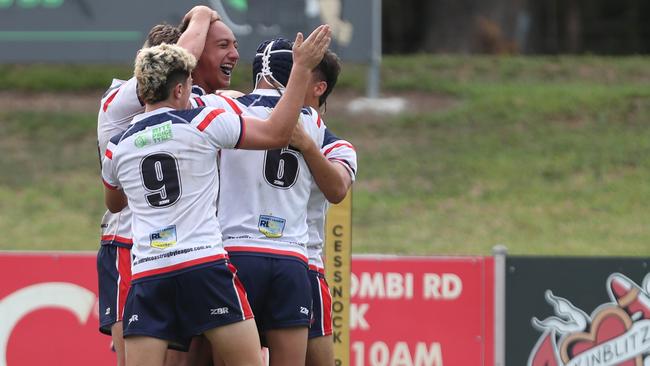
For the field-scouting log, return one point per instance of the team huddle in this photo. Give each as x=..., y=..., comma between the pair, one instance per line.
x=212, y=245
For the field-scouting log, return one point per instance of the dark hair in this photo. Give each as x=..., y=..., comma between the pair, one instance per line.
x=273, y=58
x=162, y=33
x=328, y=70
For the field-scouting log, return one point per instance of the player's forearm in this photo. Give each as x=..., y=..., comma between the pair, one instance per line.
x=286, y=113
x=115, y=200
x=193, y=39
x=331, y=178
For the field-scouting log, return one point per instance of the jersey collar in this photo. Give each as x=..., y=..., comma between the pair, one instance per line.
x=142, y=116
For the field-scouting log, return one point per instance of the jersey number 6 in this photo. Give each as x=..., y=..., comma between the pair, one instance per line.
x=160, y=177
x=281, y=167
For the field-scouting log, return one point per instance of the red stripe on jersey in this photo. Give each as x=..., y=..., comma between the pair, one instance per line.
x=326, y=309
x=121, y=239
x=178, y=266
x=316, y=269
x=124, y=282
x=109, y=154
x=318, y=122
x=337, y=146
x=112, y=188
x=110, y=99
x=209, y=118
x=267, y=251
x=231, y=103
x=199, y=102
x=241, y=293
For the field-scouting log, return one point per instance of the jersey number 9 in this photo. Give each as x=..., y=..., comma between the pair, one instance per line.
x=160, y=177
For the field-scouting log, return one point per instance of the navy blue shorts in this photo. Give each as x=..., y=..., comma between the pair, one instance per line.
x=114, y=279
x=321, y=321
x=175, y=308
x=278, y=290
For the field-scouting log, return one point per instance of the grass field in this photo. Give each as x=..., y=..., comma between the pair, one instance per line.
x=543, y=155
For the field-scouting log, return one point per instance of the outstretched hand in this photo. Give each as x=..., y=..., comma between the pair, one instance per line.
x=309, y=52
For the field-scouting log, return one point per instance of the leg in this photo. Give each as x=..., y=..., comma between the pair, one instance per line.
x=237, y=344
x=320, y=351
x=118, y=342
x=145, y=351
x=287, y=346
x=198, y=355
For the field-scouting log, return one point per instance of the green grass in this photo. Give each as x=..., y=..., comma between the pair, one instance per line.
x=544, y=155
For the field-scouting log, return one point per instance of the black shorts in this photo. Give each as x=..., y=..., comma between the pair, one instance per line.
x=114, y=279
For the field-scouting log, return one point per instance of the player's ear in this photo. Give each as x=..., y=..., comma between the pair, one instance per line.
x=320, y=88
x=178, y=90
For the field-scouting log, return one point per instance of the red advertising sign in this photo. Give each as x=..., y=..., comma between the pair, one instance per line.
x=422, y=311
x=405, y=311
x=48, y=311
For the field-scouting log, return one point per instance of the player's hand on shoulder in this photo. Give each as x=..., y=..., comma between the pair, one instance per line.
x=300, y=139
x=309, y=52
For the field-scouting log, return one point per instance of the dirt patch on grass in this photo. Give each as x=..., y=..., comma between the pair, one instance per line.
x=416, y=103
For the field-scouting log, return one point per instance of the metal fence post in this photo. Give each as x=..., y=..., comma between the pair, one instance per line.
x=375, y=51
x=499, y=252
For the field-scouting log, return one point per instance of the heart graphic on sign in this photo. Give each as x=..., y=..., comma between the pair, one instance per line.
x=609, y=323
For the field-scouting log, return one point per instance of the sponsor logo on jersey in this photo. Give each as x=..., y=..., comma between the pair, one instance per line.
x=617, y=333
x=163, y=238
x=271, y=226
x=154, y=135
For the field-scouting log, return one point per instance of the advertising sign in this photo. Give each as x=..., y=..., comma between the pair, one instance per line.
x=338, y=251
x=424, y=311
x=578, y=311
x=48, y=311
x=113, y=31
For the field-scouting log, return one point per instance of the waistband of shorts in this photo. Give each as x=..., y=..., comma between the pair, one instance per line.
x=118, y=241
x=317, y=269
x=177, y=269
x=266, y=252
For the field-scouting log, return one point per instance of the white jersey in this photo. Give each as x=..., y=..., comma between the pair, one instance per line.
x=342, y=152
x=117, y=108
x=263, y=198
x=166, y=163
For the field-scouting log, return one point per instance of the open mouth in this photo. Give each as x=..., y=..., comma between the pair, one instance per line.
x=227, y=69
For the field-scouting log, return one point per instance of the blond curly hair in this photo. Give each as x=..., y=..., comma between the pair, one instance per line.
x=158, y=69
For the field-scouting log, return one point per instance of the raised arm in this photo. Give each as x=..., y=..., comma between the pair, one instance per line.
x=276, y=131
x=195, y=27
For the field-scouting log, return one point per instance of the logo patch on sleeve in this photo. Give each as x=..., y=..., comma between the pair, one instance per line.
x=271, y=226
x=154, y=135
x=163, y=238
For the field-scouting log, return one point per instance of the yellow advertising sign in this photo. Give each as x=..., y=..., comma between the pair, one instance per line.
x=338, y=261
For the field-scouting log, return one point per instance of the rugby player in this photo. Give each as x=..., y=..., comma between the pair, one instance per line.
x=166, y=164
x=262, y=211
x=117, y=107
x=334, y=168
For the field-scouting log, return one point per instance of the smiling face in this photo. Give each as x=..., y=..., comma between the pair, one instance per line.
x=219, y=58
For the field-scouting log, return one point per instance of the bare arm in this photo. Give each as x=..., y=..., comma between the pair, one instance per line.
x=115, y=199
x=198, y=21
x=276, y=131
x=332, y=178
